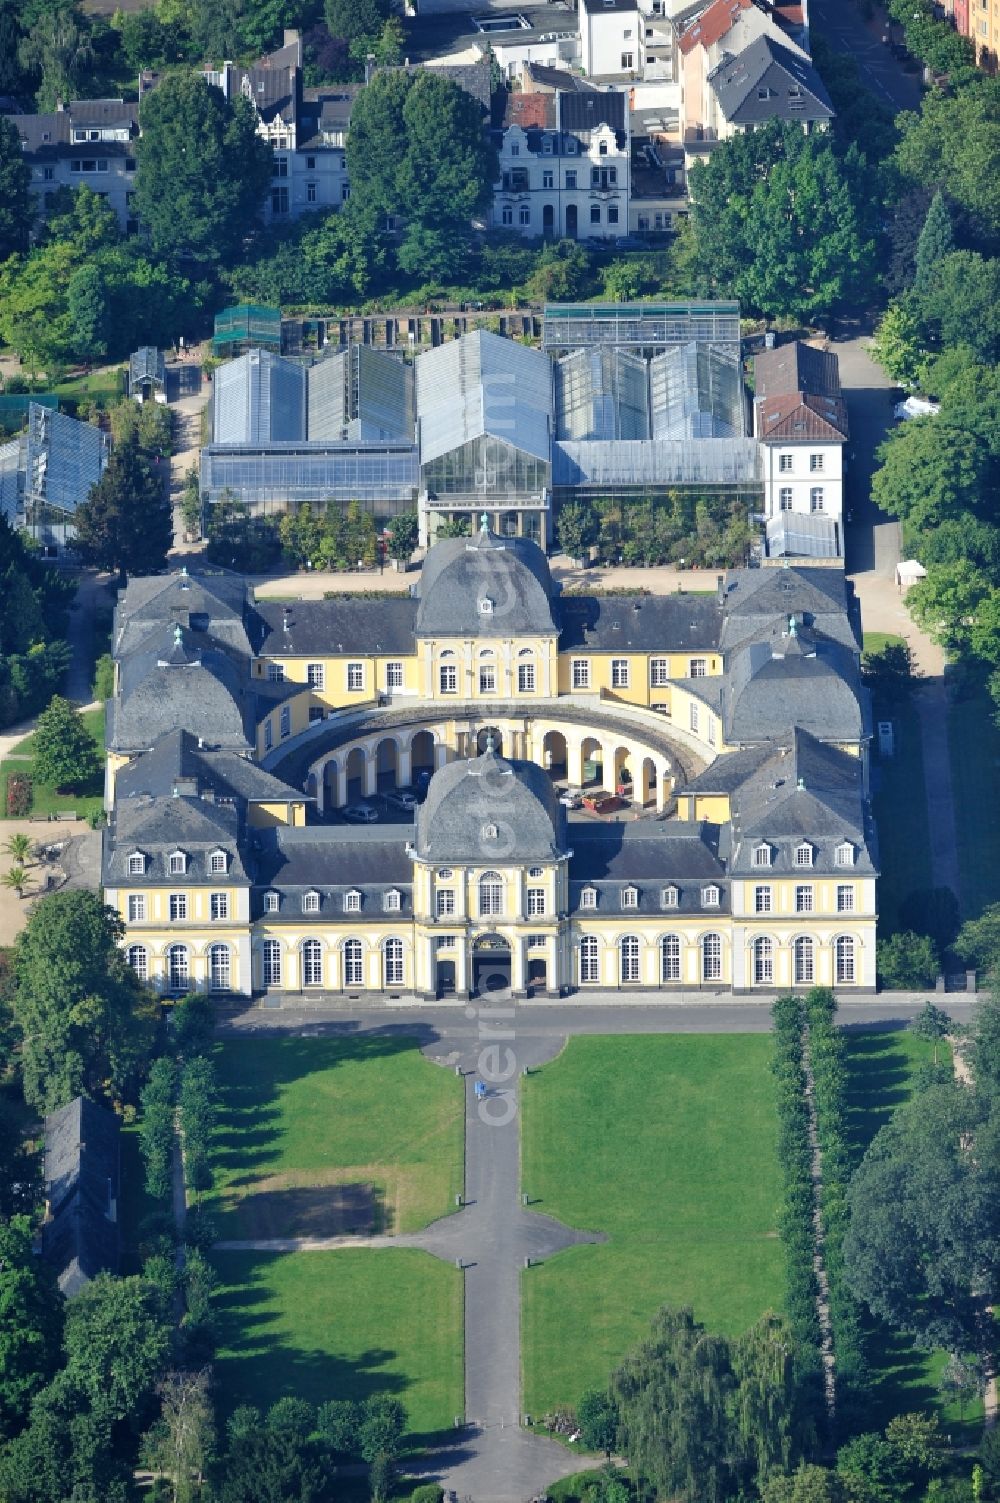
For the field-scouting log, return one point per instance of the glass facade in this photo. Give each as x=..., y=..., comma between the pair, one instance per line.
x=486, y=466
x=384, y=478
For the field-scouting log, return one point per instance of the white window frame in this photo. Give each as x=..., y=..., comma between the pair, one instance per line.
x=178, y=901
x=588, y=898
x=270, y=962
x=845, y=897
x=760, y=857
x=316, y=675
x=629, y=960
x=490, y=887
x=711, y=957
x=448, y=678
x=669, y=897
x=218, y=906
x=817, y=464
x=272, y=902
x=762, y=960
x=580, y=673
x=354, y=963
x=220, y=976
x=804, y=960
x=394, y=962
x=620, y=673
x=762, y=899
x=285, y=722
x=136, y=907
x=276, y=673
x=786, y=497
x=804, y=897
x=803, y=855
x=845, y=960
x=311, y=902
x=590, y=960
x=710, y=896
x=659, y=672
x=355, y=678
x=136, y=864
x=670, y=957
x=392, y=901
x=445, y=904
x=218, y=863
x=526, y=678
x=138, y=958
x=536, y=902
x=698, y=668
x=630, y=897
x=786, y=463
x=352, y=901
x=312, y=963
x=176, y=864
x=394, y=675
x=844, y=854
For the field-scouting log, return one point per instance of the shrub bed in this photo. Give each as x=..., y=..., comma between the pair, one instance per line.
x=18, y=795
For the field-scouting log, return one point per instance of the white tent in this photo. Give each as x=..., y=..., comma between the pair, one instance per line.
x=908, y=572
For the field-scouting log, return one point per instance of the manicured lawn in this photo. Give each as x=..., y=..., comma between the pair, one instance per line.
x=974, y=743
x=901, y=813
x=303, y=1115
x=44, y=798
x=668, y=1145
x=99, y=385
x=881, y=1067
x=874, y=641
x=338, y=1325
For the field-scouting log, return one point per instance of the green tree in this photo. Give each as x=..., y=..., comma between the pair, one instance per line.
x=66, y=755
x=952, y=143
x=931, y=1024
x=30, y=1323
x=353, y=20
x=906, y=961
x=181, y=1444
x=404, y=530
x=978, y=940
x=116, y=1345
x=57, y=48
x=203, y=170
x=156, y=1127
x=16, y=211
x=561, y=273
x=383, y=1423
x=870, y=1465
x=16, y=878
x=807, y=1484
x=18, y=847
x=597, y=1416
x=898, y=343
x=267, y=1466
x=921, y=1249
x=338, y=1421
x=125, y=524
x=577, y=528
x=960, y=302
x=930, y=473
x=945, y=604
x=86, y=1023
x=936, y=241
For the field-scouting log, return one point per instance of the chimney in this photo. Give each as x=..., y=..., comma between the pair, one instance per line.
x=720, y=585
x=286, y=619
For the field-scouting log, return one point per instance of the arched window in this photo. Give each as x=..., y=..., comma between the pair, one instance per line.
x=312, y=963
x=138, y=958
x=804, y=967
x=590, y=969
x=219, y=968
x=763, y=961
x=490, y=894
x=761, y=855
x=845, y=960
x=711, y=958
x=629, y=948
x=178, y=967
x=272, y=962
x=670, y=958
x=354, y=965
x=393, y=962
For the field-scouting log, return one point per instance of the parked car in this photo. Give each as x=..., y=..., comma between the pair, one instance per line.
x=603, y=803
x=572, y=798
x=363, y=813
x=403, y=798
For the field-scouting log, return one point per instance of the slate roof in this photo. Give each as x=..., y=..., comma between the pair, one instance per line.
x=648, y=855
x=176, y=761
x=460, y=573
x=218, y=604
x=640, y=623
x=325, y=109
x=602, y=7
x=586, y=111
x=200, y=692
x=155, y=827
x=339, y=626
x=489, y=810
x=803, y=791
x=82, y=1186
x=767, y=64
x=820, y=597
x=794, y=679
x=332, y=861
x=556, y=79
x=49, y=136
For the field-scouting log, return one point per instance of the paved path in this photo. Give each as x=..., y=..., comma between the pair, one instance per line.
x=841, y=24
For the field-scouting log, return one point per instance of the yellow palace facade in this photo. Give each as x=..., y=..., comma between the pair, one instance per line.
x=258, y=842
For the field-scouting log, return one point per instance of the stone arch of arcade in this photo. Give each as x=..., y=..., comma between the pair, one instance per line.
x=609, y=759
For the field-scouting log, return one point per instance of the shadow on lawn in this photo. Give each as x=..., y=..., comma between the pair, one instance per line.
x=878, y=1080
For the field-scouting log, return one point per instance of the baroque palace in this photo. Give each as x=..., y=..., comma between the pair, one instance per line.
x=736, y=724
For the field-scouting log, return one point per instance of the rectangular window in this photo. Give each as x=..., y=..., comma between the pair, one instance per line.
x=816, y=498
x=49, y=174
x=279, y=200
x=785, y=498
x=595, y=213
x=571, y=178
x=280, y=168
x=526, y=678
x=581, y=673
x=136, y=907
x=515, y=148
x=589, y=961
x=285, y=728
x=217, y=861
x=548, y=180
x=630, y=897
x=536, y=902
x=352, y=902
x=393, y=675
x=271, y=902
x=310, y=193
x=310, y=164
x=445, y=901
x=845, y=898
x=619, y=673
x=507, y=214
x=803, y=900
x=698, y=668
x=219, y=905
x=659, y=672
x=316, y=676
x=276, y=673
x=487, y=679
x=178, y=905
x=268, y=735
x=762, y=900
x=612, y=214
x=355, y=677
x=524, y=214
x=177, y=865
x=695, y=718
x=785, y=462
x=588, y=898
x=627, y=61
x=449, y=678
x=815, y=463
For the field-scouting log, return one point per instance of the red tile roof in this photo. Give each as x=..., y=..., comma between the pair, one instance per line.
x=799, y=415
x=531, y=111
x=712, y=24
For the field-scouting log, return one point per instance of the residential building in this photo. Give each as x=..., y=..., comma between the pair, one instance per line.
x=87, y=143
x=80, y=1233
x=801, y=426
x=739, y=715
x=564, y=164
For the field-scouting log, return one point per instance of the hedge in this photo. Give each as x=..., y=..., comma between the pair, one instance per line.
x=826, y=1056
x=198, y=1109
x=798, y=1204
x=156, y=1127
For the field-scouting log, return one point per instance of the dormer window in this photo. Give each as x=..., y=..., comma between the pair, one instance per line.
x=803, y=854
x=588, y=897
x=218, y=863
x=311, y=902
x=393, y=901
x=272, y=902
x=844, y=854
x=352, y=901
x=136, y=864
x=669, y=897
x=490, y=832
x=630, y=897
x=761, y=855
x=710, y=897
x=486, y=606
x=177, y=863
